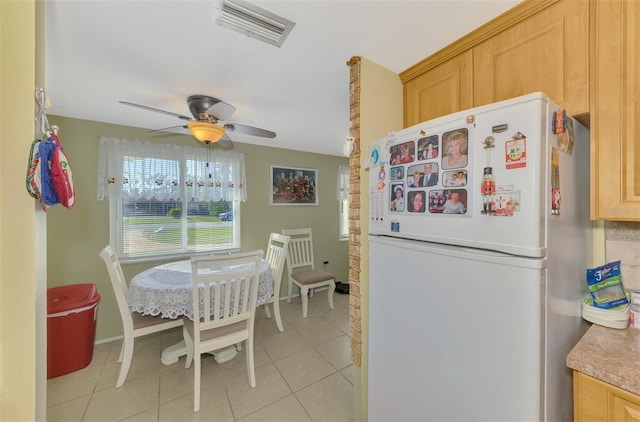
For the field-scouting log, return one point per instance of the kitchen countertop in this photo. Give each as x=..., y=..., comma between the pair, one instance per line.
x=610, y=355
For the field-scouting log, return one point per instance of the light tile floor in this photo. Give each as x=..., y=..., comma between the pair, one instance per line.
x=302, y=374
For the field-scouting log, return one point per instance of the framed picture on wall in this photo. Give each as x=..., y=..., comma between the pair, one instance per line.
x=293, y=186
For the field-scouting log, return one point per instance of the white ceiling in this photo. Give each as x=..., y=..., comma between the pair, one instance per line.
x=158, y=52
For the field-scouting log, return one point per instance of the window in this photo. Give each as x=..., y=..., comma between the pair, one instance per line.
x=343, y=201
x=168, y=200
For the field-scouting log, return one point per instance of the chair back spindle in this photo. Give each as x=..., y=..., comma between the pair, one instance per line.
x=276, y=256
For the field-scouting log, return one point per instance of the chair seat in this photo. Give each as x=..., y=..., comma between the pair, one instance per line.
x=311, y=276
x=215, y=333
x=143, y=321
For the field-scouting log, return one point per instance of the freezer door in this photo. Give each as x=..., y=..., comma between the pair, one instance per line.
x=453, y=335
x=503, y=187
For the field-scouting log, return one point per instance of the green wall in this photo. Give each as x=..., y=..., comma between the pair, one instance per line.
x=76, y=236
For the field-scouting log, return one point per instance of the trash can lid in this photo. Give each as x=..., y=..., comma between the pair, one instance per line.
x=72, y=296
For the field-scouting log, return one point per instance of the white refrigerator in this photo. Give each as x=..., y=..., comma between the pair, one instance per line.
x=476, y=280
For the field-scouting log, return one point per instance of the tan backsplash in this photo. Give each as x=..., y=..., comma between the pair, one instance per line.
x=622, y=242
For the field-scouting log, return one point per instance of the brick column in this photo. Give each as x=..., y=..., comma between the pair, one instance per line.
x=354, y=212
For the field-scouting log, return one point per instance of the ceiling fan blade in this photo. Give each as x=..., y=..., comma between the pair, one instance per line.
x=249, y=130
x=221, y=110
x=157, y=110
x=169, y=129
x=225, y=142
x=211, y=108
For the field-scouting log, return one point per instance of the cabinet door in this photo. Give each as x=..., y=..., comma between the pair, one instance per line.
x=597, y=401
x=442, y=90
x=615, y=125
x=548, y=52
x=624, y=410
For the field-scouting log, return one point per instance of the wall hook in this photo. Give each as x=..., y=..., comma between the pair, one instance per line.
x=43, y=104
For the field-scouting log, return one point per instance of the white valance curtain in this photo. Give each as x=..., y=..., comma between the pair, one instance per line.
x=144, y=170
x=343, y=183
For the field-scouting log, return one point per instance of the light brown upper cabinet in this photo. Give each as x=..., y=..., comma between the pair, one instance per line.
x=539, y=45
x=442, y=90
x=549, y=52
x=615, y=111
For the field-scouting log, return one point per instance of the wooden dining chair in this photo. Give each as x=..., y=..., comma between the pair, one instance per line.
x=134, y=324
x=276, y=256
x=225, y=290
x=301, y=268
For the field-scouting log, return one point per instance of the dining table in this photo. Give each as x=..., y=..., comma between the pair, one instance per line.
x=166, y=290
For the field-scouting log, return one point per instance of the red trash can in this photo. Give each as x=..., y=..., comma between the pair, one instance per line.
x=72, y=312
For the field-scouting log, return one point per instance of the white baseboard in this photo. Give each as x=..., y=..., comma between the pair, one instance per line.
x=109, y=340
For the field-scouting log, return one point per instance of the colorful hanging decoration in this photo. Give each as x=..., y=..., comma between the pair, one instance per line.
x=49, y=177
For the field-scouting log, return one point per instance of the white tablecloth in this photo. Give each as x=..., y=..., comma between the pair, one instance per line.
x=166, y=289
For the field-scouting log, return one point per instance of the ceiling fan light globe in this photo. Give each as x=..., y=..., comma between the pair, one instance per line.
x=206, y=132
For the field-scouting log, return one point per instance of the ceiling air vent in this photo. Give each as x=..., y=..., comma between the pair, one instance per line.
x=253, y=21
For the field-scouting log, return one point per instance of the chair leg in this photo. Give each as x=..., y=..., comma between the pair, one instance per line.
x=127, y=355
x=304, y=294
x=188, y=341
x=332, y=288
x=290, y=291
x=266, y=310
x=251, y=370
x=121, y=352
x=276, y=311
x=196, y=383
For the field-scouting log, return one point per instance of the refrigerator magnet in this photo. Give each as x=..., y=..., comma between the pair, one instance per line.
x=375, y=156
x=487, y=189
x=505, y=201
x=516, y=151
x=396, y=202
x=559, y=122
x=555, y=181
x=566, y=138
x=382, y=175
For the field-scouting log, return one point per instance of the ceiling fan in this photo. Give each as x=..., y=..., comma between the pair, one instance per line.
x=205, y=124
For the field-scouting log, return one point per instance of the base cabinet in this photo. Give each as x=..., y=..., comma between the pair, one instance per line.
x=597, y=401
